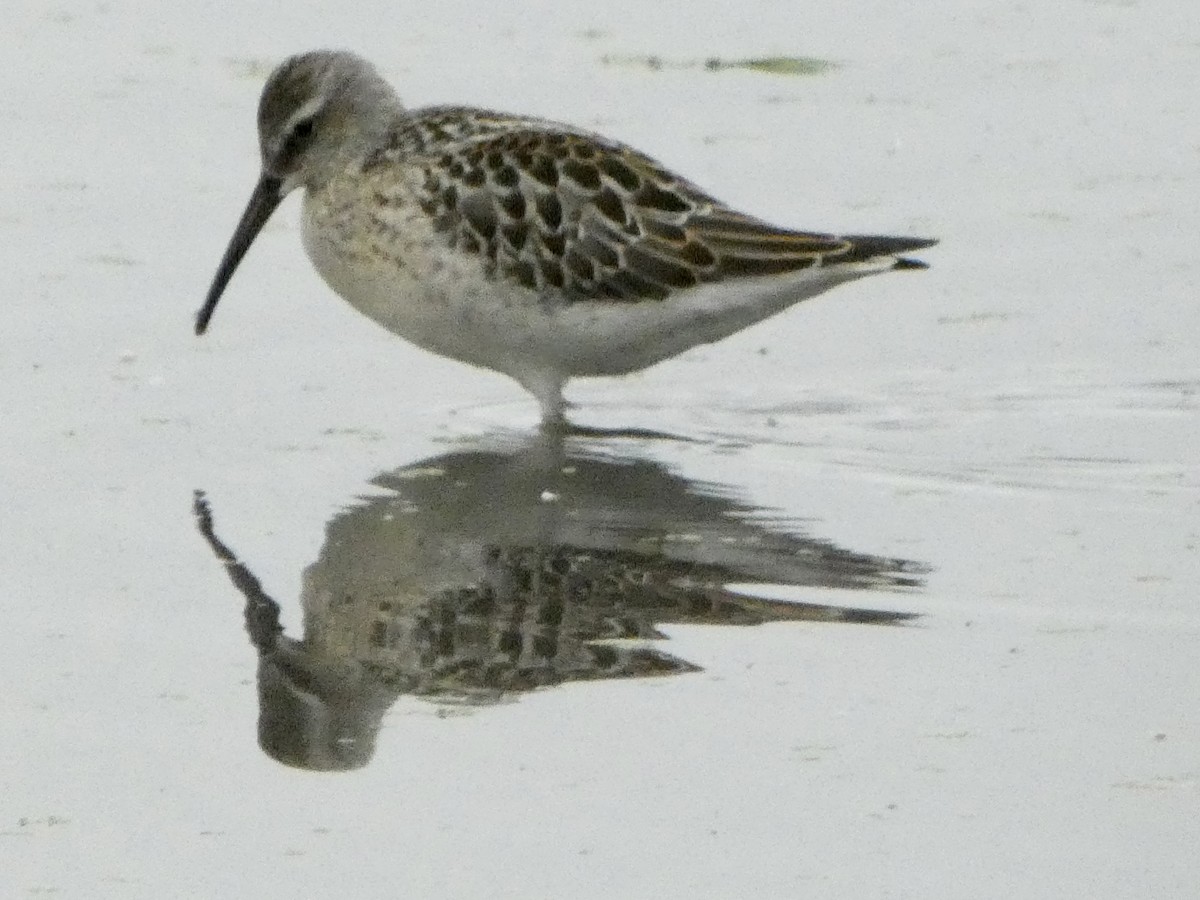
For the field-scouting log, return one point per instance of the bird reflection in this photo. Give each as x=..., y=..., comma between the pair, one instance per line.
x=487, y=572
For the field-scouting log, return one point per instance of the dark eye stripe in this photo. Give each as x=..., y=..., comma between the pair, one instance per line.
x=298, y=139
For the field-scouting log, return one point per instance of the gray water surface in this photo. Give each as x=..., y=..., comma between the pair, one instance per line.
x=908, y=610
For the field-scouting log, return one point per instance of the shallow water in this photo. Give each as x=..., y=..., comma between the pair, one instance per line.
x=906, y=607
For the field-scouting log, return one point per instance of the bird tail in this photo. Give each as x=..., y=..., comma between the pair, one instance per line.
x=871, y=246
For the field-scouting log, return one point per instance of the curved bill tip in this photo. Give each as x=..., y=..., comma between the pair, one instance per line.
x=267, y=195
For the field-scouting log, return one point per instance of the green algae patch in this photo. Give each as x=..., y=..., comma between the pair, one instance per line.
x=774, y=65
x=768, y=65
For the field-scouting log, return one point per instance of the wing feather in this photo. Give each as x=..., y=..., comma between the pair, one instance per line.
x=565, y=211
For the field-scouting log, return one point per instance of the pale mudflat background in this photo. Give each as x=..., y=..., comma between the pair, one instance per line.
x=1023, y=419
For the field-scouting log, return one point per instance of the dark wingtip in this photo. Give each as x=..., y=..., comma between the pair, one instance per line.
x=200, y=326
x=869, y=246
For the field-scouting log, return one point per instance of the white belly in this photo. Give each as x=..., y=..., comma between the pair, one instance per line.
x=400, y=273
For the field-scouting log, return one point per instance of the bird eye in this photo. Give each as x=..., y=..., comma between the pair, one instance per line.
x=303, y=129
x=297, y=141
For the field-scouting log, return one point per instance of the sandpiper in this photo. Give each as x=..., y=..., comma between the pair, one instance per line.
x=518, y=244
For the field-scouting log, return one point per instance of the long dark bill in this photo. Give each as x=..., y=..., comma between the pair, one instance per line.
x=262, y=203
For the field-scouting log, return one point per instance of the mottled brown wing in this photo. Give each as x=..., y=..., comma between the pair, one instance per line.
x=552, y=208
